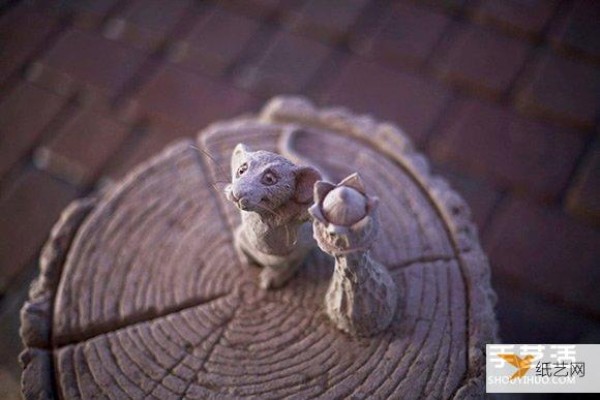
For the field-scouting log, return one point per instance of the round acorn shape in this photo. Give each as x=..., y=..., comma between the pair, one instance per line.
x=344, y=206
x=344, y=216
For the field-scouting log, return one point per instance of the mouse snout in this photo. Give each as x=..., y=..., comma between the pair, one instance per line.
x=237, y=193
x=243, y=198
x=229, y=194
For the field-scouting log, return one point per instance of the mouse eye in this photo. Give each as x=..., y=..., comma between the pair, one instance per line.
x=268, y=178
x=243, y=168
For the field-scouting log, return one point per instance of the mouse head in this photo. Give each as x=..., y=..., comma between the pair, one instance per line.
x=262, y=181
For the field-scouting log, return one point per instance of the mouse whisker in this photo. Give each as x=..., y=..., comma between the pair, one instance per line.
x=215, y=188
x=210, y=157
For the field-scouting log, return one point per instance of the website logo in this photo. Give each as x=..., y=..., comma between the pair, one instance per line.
x=542, y=368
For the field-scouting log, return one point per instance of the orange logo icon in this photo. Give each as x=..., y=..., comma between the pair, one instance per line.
x=522, y=364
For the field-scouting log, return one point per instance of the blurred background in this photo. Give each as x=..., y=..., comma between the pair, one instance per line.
x=502, y=95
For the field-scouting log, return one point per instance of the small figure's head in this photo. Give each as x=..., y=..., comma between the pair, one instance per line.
x=344, y=206
x=344, y=218
x=262, y=181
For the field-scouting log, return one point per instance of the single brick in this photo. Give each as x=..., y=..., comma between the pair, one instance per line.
x=547, y=252
x=512, y=151
x=84, y=59
x=583, y=198
x=579, y=29
x=146, y=23
x=192, y=100
x=480, y=196
x=454, y=6
x=148, y=141
x=286, y=65
x=405, y=34
x=563, y=89
x=22, y=32
x=28, y=208
x=483, y=60
x=255, y=8
x=526, y=318
x=524, y=17
x=286, y=9
x=81, y=147
x=24, y=114
x=85, y=14
x=88, y=14
x=214, y=43
x=404, y=98
x=330, y=20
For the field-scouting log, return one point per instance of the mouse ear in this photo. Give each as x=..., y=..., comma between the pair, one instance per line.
x=238, y=156
x=305, y=181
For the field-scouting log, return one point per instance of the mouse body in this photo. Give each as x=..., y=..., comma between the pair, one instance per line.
x=273, y=195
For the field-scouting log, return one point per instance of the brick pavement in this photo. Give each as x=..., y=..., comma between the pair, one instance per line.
x=504, y=96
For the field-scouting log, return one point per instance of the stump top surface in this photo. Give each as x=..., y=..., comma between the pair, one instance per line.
x=141, y=293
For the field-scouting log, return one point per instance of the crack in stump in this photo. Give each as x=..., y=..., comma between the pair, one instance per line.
x=147, y=316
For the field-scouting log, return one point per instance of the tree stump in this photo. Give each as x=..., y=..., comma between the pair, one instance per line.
x=142, y=295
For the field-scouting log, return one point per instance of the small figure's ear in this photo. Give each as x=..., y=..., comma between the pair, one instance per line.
x=305, y=181
x=238, y=156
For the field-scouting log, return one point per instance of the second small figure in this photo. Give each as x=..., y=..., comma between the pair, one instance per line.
x=362, y=295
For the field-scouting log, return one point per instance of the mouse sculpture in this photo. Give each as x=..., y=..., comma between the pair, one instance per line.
x=273, y=195
x=362, y=295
